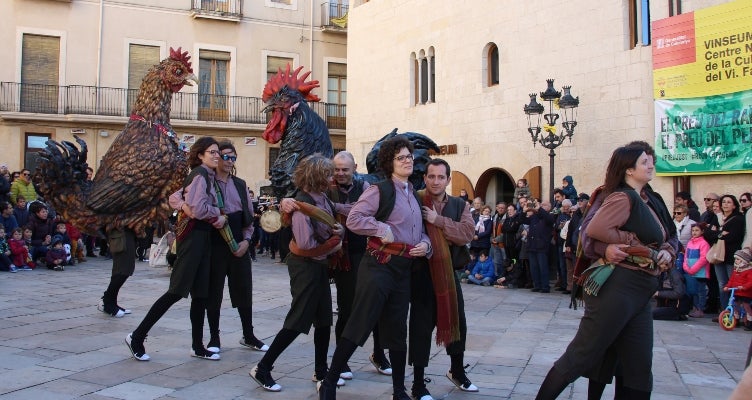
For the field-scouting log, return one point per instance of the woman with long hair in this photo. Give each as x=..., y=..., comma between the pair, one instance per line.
x=190, y=274
x=617, y=323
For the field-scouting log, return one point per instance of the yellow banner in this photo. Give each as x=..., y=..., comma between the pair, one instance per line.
x=704, y=53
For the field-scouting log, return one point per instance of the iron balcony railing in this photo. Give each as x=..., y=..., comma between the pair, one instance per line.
x=231, y=8
x=92, y=100
x=334, y=15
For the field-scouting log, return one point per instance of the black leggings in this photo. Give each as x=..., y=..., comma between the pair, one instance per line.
x=160, y=307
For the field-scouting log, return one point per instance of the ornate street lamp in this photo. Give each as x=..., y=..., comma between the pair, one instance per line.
x=549, y=138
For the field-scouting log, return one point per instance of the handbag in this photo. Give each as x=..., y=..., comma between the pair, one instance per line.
x=158, y=253
x=717, y=253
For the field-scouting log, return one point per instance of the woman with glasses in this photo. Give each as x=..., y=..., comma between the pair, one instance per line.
x=683, y=224
x=190, y=274
x=233, y=265
x=23, y=187
x=745, y=201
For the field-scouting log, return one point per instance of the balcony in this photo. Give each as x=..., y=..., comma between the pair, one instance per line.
x=226, y=10
x=334, y=17
x=117, y=102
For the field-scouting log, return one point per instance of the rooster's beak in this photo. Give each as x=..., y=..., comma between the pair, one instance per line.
x=190, y=78
x=268, y=108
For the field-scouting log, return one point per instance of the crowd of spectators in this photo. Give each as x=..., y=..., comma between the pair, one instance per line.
x=534, y=243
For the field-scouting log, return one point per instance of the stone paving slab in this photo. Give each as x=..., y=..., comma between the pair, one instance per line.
x=54, y=344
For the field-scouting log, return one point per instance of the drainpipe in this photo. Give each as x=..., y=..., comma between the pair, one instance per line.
x=310, y=44
x=99, y=43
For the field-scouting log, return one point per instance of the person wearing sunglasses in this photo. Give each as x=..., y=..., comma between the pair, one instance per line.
x=745, y=200
x=23, y=187
x=683, y=224
x=236, y=266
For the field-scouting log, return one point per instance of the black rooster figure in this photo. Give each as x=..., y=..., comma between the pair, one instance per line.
x=422, y=143
x=301, y=130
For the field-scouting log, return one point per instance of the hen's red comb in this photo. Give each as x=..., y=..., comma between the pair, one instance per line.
x=182, y=57
x=285, y=78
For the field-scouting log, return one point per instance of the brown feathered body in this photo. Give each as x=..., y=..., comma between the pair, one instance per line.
x=142, y=167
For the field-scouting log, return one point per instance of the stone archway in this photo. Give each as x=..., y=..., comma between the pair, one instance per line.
x=495, y=184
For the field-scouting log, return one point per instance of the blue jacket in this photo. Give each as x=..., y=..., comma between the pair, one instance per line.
x=485, y=268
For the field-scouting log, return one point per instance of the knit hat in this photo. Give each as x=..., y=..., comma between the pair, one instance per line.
x=744, y=254
x=56, y=239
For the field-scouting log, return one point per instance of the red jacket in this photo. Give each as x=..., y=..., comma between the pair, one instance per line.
x=743, y=279
x=18, y=252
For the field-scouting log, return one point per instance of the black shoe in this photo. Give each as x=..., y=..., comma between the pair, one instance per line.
x=382, y=365
x=254, y=344
x=420, y=392
x=566, y=292
x=560, y=289
x=214, y=345
x=264, y=379
x=137, y=348
x=205, y=354
x=460, y=380
x=91, y=255
x=535, y=290
x=545, y=291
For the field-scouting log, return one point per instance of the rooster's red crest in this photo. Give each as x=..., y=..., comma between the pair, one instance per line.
x=181, y=56
x=292, y=81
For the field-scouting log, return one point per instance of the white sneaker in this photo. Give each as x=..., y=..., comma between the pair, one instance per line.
x=340, y=381
x=346, y=375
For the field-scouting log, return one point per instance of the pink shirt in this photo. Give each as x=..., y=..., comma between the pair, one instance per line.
x=405, y=221
x=303, y=231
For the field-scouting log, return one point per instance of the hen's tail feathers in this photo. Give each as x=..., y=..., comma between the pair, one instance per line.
x=62, y=167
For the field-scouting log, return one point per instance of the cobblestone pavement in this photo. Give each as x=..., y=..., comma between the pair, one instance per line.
x=54, y=344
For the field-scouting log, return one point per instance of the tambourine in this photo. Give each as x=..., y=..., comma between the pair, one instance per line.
x=271, y=221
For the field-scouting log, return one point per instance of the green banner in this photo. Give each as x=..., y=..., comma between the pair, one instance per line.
x=704, y=135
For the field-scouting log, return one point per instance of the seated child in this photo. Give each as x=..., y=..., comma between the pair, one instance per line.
x=5, y=262
x=19, y=250
x=741, y=279
x=62, y=230
x=483, y=272
x=56, y=254
x=42, y=229
x=463, y=274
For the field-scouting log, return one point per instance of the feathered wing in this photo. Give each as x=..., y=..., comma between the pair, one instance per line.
x=422, y=146
x=135, y=178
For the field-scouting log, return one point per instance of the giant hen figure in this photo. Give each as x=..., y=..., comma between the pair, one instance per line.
x=142, y=167
x=301, y=130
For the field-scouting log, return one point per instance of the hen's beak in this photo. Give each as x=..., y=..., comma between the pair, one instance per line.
x=190, y=78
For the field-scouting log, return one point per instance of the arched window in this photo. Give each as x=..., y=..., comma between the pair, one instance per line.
x=490, y=65
x=431, y=75
x=414, y=79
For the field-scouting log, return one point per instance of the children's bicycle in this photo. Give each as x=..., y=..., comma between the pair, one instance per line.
x=726, y=318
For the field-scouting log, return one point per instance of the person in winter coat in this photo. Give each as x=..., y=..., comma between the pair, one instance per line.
x=741, y=279
x=483, y=272
x=567, y=186
x=541, y=225
x=483, y=231
x=672, y=302
x=697, y=267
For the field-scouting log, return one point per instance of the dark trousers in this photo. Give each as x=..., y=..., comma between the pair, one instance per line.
x=539, y=269
x=345, y=282
x=618, y=319
x=382, y=295
x=423, y=317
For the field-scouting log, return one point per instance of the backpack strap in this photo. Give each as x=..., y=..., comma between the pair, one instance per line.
x=387, y=197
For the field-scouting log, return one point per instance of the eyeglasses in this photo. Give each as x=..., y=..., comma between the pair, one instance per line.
x=26, y=174
x=744, y=200
x=212, y=152
x=404, y=158
x=709, y=199
x=678, y=213
x=228, y=157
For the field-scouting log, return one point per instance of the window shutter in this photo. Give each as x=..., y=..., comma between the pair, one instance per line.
x=337, y=69
x=40, y=60
x=140, y=59
x=275, y=63
x=214, y=55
